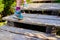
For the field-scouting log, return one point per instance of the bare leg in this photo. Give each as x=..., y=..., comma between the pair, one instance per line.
x=18, y=4
x=25, y=3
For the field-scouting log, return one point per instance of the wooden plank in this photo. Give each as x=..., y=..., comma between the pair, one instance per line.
x=42, y=6
x=37, y=20
x=43, y=0
x=40, y=16
x=28, y=33
x=5, y=35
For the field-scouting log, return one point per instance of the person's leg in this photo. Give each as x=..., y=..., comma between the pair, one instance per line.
x=18, y=13
x=25, y=3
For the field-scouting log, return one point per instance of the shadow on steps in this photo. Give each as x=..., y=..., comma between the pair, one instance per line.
x=31, y=27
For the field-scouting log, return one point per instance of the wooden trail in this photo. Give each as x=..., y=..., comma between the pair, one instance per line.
x=35, y=19
x=28, y=33
x=42, y=6
x=43, y=0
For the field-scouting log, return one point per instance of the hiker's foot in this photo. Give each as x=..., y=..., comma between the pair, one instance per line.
x=25, y=5
x=18, y=15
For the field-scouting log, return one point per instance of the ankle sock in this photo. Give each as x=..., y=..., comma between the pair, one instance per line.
x=17, y=8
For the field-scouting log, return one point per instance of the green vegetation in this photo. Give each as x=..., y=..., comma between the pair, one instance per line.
x=57, y=1
x=5, y=6
x=1, y=6
x=3, y=23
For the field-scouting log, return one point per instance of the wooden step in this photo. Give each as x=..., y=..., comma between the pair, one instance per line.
x=6, y=34
x=26, y=33
x=47, y=21
x=42, y=6
x=42, y=1
x=34, y=19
